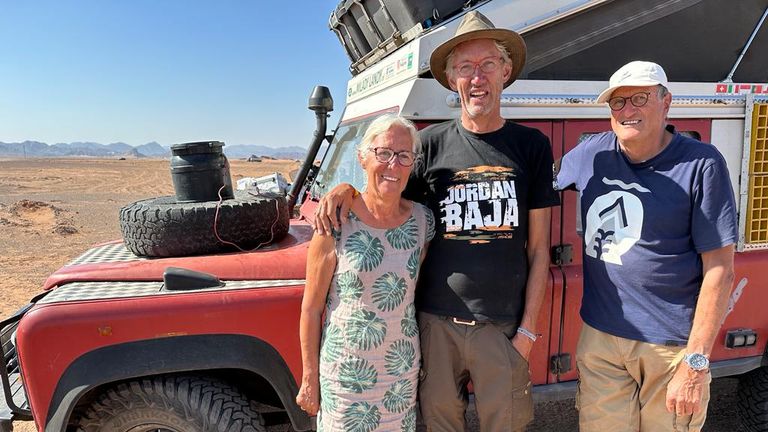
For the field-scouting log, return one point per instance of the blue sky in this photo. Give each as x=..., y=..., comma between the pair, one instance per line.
x=169, y=71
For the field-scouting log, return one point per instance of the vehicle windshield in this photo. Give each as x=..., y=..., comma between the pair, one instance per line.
x=340, y=164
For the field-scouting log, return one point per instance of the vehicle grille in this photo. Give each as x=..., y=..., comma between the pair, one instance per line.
x=10, y=371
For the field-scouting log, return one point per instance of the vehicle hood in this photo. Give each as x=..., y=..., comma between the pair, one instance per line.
x=111, y=261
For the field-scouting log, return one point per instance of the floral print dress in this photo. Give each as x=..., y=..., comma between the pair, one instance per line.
x=369, y=353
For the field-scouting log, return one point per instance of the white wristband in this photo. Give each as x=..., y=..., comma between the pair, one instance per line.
x=527, y=333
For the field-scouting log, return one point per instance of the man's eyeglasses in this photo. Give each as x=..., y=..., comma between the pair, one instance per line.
x=467, y=69
x=385, y=155
x=638, y=100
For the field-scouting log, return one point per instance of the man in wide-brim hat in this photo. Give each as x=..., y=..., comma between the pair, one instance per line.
x=476, y=26
x=502, y=53
x=489, y=183
x=485, y=273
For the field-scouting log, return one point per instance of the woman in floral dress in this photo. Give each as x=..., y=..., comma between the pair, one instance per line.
x=361, y=374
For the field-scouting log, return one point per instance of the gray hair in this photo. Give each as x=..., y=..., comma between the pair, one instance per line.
x=503, y=52
x=383, y=124
x=662, y=91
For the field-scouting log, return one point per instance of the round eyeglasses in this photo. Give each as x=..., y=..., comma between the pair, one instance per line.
x=467, y=69
x=385, y=155
x=638, y=100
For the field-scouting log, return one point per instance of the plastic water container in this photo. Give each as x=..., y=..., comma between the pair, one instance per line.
x=199, y=170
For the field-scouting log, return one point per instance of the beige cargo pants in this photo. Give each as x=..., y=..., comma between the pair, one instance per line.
x=452, y=353
x=623, y=385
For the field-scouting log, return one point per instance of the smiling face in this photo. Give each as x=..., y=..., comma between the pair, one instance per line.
x=479, y=93
x=640, y=125
x=387, y=180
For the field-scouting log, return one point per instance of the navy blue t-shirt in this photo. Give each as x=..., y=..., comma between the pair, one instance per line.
x=645, y=226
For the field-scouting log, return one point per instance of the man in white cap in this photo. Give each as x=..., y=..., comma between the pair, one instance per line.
x=489, y=183
x=659, y=234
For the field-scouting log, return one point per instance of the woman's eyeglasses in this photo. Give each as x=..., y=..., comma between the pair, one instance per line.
x=385, y=155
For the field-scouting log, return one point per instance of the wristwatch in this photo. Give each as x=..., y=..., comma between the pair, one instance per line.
x=696, y=361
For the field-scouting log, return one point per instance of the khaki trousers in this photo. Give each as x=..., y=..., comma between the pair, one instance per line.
x=454, y=353
x=623, y=385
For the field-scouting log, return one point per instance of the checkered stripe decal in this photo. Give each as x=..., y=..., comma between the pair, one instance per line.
x=116, y=252
x=77, y=291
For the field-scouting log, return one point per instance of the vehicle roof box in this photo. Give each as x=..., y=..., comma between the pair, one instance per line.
x=362, y=26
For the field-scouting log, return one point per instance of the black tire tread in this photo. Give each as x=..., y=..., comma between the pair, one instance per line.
x=161, y=227
x=753, y=400
x=208, y=405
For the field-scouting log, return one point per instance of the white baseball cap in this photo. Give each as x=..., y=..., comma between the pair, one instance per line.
x=634, y=74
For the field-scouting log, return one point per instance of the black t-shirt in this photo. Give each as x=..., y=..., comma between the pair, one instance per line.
x=480, y=188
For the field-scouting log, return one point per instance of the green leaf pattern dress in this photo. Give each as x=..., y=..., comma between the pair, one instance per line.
x=369, y=353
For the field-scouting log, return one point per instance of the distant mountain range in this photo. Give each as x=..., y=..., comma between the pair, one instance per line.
x=120, y=149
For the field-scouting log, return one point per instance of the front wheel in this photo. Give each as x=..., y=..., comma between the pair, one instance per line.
x=753, y=400
x=172, y=404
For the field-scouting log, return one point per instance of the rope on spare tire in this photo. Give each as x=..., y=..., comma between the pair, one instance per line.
x=216, y=224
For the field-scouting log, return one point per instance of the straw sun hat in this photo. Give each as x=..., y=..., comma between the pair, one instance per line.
x=473, y=26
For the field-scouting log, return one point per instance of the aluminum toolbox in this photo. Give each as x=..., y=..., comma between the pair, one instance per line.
x=365, y=26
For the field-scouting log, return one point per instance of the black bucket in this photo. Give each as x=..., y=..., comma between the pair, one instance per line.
x=199, y=170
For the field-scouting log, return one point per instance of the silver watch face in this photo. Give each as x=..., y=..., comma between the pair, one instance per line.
x=697, y=361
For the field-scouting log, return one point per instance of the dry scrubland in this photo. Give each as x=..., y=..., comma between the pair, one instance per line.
x=51, y=210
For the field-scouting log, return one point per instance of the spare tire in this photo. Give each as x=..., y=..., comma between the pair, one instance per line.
x=162, y=227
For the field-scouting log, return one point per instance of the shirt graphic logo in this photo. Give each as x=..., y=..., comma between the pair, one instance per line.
x=481, y=205
x=614, y=222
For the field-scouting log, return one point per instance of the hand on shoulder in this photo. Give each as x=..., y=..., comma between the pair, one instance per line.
x=333, y=208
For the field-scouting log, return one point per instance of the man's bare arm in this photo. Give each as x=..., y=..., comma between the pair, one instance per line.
x=538, y=273
x=685, y=389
